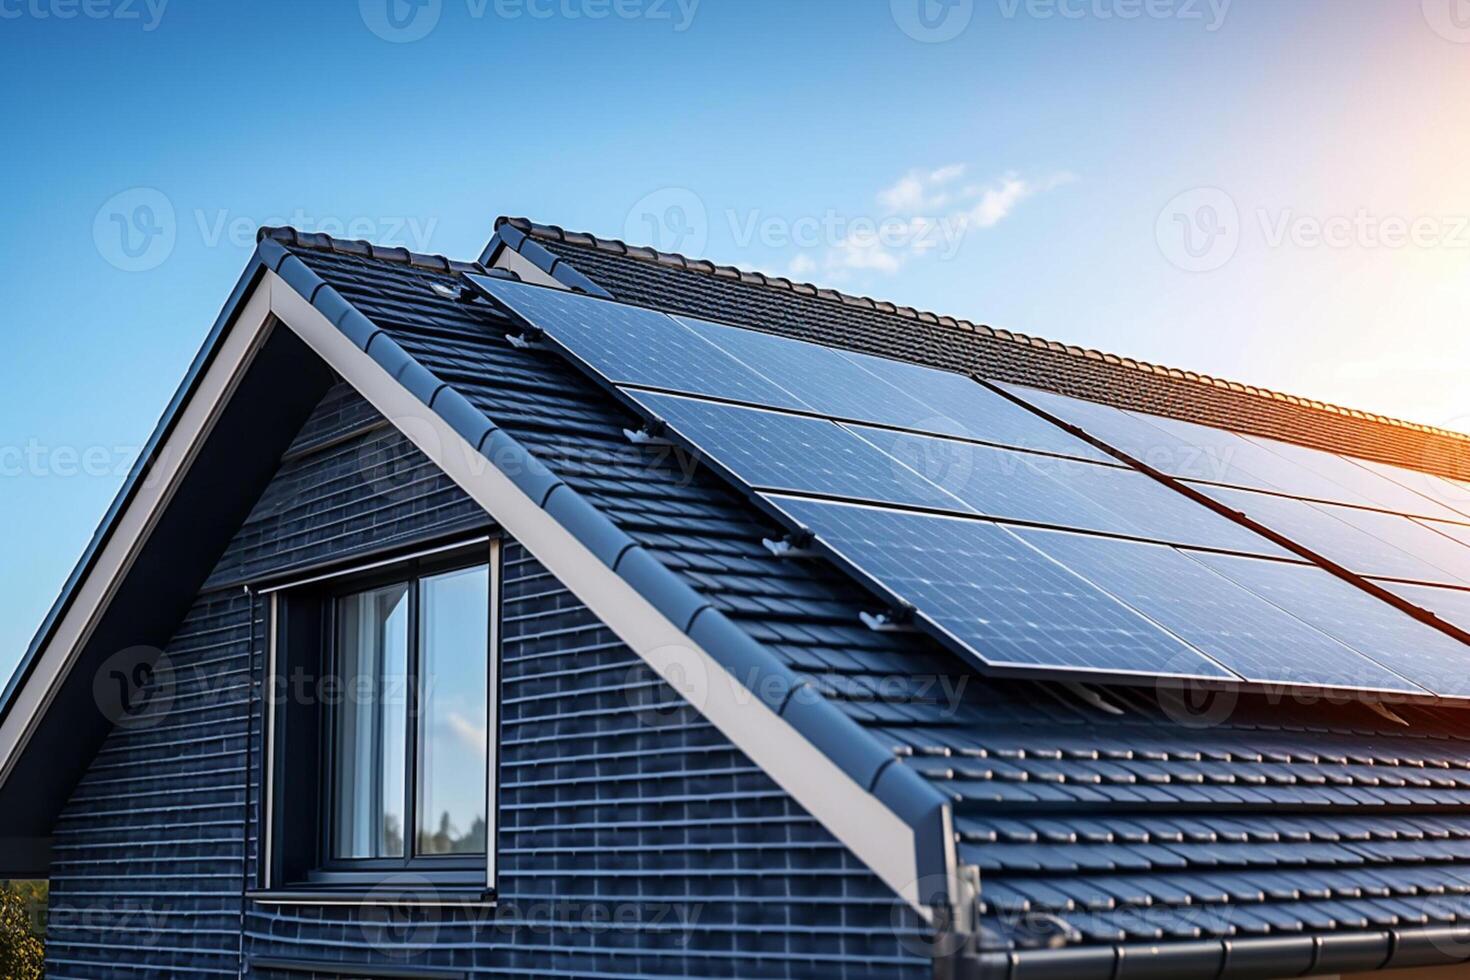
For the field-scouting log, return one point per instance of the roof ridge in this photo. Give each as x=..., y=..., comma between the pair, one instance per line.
x=618, y=247
x=322, y=242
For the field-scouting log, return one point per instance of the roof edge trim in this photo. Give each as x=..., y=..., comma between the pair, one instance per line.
x=825, y=760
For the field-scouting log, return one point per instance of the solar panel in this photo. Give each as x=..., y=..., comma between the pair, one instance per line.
x=774, y=451
x=1235, y=627
x=1311, y=526
x=1186, y=454
x=1460, y=532
x=1066, y=493
x=823, y=379
x=956, y=405
x=988, y=592
x=631, y=345
x=1360, y=484
x=1447, y=493
x=1440, y=550
x=1421, y=653
x=1450, y=605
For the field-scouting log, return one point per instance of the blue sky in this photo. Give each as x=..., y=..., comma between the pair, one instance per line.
x=1267, y=190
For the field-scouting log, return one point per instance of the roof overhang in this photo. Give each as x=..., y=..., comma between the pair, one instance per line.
x=885, y=813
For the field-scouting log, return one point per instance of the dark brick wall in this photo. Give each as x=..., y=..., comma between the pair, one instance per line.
x=636, y=840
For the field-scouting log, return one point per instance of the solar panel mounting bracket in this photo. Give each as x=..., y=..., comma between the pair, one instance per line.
x=899, y=619
x=797, y=545
x=651, y=434
x=528, y=339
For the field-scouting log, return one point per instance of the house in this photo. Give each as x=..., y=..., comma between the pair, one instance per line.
x=427, y=640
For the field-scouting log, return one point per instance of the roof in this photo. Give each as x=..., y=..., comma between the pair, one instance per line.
x=1107, y=826
x=701, y=288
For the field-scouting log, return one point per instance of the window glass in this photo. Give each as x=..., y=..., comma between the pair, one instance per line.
x=370, y=734
x=453, y=721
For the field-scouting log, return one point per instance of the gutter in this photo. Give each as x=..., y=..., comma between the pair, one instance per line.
x=1265, y=958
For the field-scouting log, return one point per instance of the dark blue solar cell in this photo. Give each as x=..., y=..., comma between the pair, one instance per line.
x=1311, y=526
x=774, y=451
x=1182, y=449
x=1453, y=498
x=631, y=345
x=997, y=482
x=1450, y=605
x=1360, y=484
x=1235, y=627
x=1066, y=493
x=1443, y=551
x=821, y=379
x=955, y=405
x=995, y=596
x=1421, y=653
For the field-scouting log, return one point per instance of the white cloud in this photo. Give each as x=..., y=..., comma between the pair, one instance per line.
x=925, y=213
x=919, y=190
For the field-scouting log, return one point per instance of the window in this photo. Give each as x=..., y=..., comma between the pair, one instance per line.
x=392, y=762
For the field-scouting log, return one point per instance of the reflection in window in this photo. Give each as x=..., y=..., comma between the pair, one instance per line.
x=453, y=722
x=370, y=734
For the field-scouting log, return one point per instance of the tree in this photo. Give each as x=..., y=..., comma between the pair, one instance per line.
x=22, y=928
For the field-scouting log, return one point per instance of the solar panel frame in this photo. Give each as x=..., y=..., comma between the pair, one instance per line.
x=1451, y=606
x=1231, y=624
x=1062, y=492
x=1361, y=485
x=604, y=350
x=764, y=449
x=1312, y=527
x=846, y=390
x=1377, y=629
x=835, y=535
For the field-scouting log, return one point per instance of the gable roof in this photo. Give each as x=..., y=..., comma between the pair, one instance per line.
x=1324, y=839
x=777, y=305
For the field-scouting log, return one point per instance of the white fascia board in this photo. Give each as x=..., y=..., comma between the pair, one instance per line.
x=878, y=836
x=171, y=463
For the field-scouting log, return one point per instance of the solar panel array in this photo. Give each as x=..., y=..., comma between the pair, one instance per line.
x=1405, y=530
x=1022, y=545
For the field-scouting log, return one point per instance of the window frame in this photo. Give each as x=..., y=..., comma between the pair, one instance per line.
x=318, y=649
